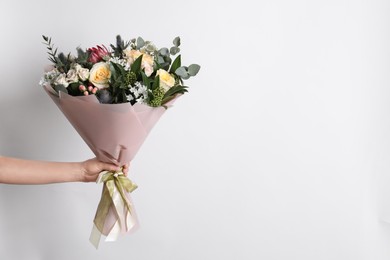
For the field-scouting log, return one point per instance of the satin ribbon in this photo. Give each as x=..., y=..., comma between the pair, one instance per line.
x=116, y=185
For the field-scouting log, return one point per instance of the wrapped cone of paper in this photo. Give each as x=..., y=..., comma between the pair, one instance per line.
x=114, y=133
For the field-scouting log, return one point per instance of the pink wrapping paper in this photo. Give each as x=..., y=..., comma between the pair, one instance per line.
x=114, y=133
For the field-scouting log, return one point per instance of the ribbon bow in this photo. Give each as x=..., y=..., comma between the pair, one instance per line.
x=115, y=213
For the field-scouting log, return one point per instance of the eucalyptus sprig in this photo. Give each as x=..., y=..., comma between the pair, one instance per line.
x=52, y=52
x=61, y=61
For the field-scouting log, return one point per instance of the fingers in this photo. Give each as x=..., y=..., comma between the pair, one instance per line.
x=110, y=167
x=125, y=169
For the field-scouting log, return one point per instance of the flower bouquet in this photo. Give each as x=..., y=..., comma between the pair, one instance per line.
x=113, y=97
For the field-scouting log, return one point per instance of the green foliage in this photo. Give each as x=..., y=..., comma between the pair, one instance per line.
x=174, y=50
x=175, y=64
x=119, y=47
x=140, y=43
x=158, y=95
x=130, y=78
x=176, y=41
x=193, y=69
x=145, y=80
x=182, y=72
x=172, y=92
x=59, y=88
x=51, y=51
x=156, y=83
x=73, y=89
x=82, y=58
x=136, y=66
x=185, y=72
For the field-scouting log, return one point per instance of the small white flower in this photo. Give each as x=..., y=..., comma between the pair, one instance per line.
x=130, y=98
x=121, y=62
x=139, y=92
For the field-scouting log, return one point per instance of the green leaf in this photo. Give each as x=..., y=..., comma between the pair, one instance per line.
x=175, y=90
x=176, y=41
x=172, y=92
x=157, y=66
x=59, y=88
x=174, y=50
x=182, y=72
x=140, y=43
x=136, y=66
x=117, y=72
x=160, y=60
x=176, y=64
x=145, y=79
x=164, y=52
x=193, y=69
x=156, y=83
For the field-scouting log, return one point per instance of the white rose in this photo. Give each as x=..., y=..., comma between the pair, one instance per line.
x=61, y=80
x=166, y=80
x=71, y=76
x=82, y=73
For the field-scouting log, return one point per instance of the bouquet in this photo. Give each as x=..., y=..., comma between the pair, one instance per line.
x=113, y=96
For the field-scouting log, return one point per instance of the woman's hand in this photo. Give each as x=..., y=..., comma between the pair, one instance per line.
x=91, y=168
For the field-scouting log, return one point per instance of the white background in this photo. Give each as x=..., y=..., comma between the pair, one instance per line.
x=279, y=151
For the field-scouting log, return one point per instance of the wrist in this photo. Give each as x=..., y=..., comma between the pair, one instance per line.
x=79, y=172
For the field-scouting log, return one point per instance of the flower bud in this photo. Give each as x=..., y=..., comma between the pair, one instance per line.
x=82, y=88
x=94, y=90
x=86, y=93
x=90, y=88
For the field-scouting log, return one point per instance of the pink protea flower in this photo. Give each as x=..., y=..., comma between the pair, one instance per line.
x=97, y=53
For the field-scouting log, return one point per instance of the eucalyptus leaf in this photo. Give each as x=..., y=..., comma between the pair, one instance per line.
x=182, y=72
x=164, y=51
x=174, y=50
x=176, y=41
x=160, y=60
x=193, y=69
x=140, y=43
x=59, y=88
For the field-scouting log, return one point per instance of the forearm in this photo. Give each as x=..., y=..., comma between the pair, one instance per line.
x=18, y=171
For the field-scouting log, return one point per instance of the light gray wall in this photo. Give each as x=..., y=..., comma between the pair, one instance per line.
x=279, y=151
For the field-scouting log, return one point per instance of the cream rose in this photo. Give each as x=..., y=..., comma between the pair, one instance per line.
x=146, y=63
x=166, y=80
x=71, y=76
x=82, y=73
x=61, y=80
x=100, y=75
x=131, y=55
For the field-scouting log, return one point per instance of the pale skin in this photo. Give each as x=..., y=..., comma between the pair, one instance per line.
x=20, y=171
